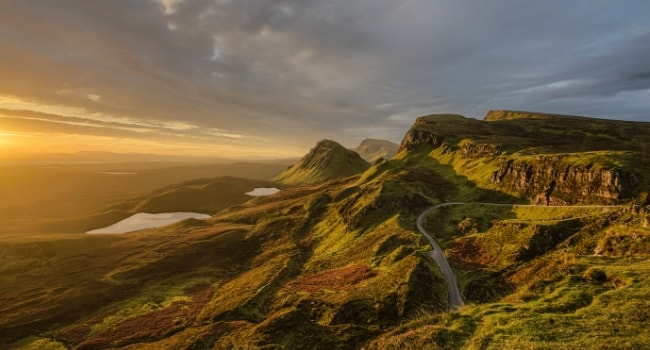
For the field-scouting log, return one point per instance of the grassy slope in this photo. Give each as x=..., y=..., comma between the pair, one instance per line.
x=536, y=277
x=336, y=261
x=476, y=149
x=327, y=160
x=339, y=265
x=564, y=296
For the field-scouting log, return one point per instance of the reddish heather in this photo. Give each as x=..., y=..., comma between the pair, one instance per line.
x=333, y=279
x=468, y=254
x=153, y=325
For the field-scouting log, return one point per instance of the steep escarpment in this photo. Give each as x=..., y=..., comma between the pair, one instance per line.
x=553, y=180
x=545, y=158
x=430, y=130
x=327, y=160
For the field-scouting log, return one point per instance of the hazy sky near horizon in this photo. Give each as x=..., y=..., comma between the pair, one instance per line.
x=270, y=78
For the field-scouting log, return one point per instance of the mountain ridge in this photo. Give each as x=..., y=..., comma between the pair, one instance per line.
x=538, y=159
x=503, y=114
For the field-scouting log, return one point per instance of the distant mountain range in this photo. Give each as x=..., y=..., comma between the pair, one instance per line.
x=372, y=149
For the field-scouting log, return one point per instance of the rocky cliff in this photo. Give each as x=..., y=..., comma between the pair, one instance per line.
x=550, y=180
x=429, y=130
x=546, y=158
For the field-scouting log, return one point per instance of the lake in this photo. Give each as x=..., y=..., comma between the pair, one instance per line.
x=141, y=221
x=263, y=191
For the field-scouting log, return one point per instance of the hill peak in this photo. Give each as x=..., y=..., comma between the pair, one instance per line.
x=325, y=161
x=373, y=149
x=328, y=143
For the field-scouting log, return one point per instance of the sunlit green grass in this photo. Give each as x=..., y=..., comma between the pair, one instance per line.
x=560, y=300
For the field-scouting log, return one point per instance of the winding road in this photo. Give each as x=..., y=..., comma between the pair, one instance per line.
x=455, y=297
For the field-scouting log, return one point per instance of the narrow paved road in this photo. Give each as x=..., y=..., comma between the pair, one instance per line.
x=455, y=297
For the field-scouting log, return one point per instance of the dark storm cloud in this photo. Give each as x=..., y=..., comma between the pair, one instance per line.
x=301, y=70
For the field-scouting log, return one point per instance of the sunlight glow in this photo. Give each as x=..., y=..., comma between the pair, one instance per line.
x=76, y=129
x=18, y=104
x=42, y=143
x=5, y=137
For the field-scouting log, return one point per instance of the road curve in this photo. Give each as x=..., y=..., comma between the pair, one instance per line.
x=455, y=297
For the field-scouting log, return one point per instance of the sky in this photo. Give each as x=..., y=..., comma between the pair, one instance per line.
x=267, y=79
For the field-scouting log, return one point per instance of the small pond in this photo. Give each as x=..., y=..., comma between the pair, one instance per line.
x=263, y=191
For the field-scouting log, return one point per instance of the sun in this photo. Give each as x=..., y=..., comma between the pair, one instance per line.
x=7, y=140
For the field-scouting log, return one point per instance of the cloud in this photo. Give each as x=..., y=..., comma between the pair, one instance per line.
x=288, y=71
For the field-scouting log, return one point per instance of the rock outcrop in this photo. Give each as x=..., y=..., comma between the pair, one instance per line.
x=428, y=130
x=477, y=150
x=547, y=158
x=549, y=181
x=418, y=137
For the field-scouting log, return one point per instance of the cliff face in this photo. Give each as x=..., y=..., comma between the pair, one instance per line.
x=549, y=181
x=428, y=130
x=546, y=158
x=414, y=138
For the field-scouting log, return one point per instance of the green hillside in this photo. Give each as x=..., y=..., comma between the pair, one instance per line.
x=340, y=264
x=544, y=158
x=327, y=160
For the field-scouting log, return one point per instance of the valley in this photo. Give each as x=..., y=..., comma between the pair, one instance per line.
x=74, y=198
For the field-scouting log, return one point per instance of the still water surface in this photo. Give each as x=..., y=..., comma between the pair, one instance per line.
x=141, y=221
